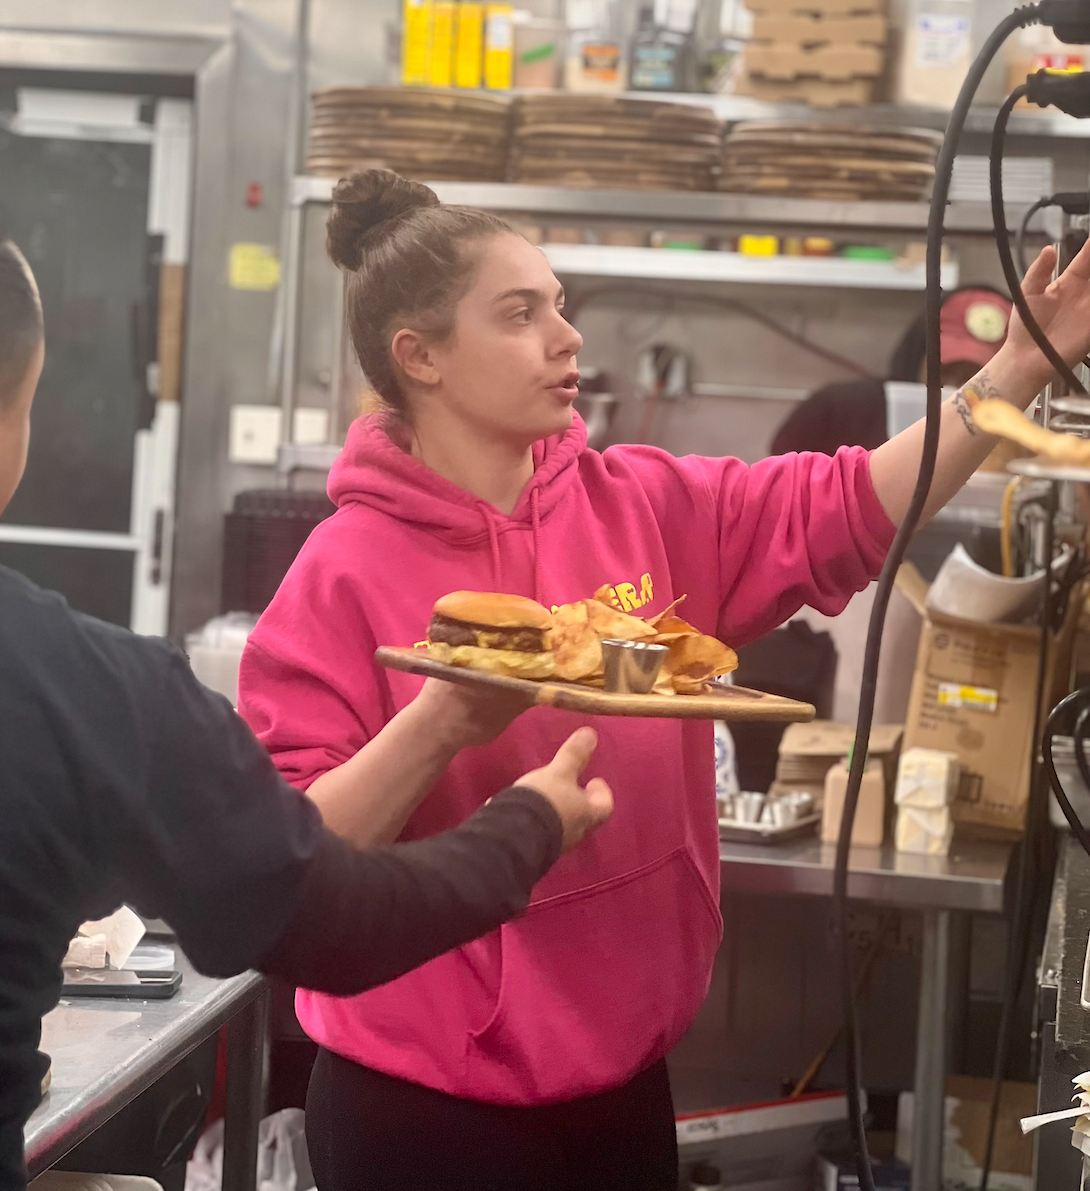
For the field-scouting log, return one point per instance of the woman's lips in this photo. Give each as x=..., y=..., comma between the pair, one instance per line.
x=568, y=388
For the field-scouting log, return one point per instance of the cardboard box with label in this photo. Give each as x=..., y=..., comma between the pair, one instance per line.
x=973, y=695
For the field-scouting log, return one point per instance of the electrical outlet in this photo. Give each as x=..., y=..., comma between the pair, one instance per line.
x=310, y=427
x=255, y=433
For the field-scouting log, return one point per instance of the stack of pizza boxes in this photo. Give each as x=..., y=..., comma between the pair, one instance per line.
x=826, y=53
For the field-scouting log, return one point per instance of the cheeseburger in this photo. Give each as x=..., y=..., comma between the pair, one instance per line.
x=502, y=634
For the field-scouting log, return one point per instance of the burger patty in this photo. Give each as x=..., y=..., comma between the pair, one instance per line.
x=461, y=632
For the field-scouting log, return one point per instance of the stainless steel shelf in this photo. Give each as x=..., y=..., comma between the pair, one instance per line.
x=689, y=207
x=660, y=264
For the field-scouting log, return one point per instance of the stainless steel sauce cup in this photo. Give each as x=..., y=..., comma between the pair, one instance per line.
x=631, y=667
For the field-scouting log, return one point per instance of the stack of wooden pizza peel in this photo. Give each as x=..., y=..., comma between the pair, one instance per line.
x=848, y=162
x=610, y=142
x=438, y=136
x=614, y=143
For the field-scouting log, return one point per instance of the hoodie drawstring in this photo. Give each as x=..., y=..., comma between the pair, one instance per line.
x=494, y=542
x=535, y=521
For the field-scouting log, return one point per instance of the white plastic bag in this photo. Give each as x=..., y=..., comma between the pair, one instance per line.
x=282, y=1161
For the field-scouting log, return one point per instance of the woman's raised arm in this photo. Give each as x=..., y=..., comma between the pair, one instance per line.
x=1017, y=373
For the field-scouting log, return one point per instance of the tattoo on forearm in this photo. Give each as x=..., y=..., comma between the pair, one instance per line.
x=961, y=405
x=980, y=387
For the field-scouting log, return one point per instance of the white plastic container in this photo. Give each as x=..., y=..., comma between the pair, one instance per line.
x=968, y=591
x=906, y=404
x=215, y=652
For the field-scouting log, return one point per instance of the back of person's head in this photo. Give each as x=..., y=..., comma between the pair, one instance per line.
x=909, y=354
x=409, y=259
x=21, y=326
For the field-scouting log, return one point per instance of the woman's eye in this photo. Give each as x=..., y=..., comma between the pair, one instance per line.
x=523, y=316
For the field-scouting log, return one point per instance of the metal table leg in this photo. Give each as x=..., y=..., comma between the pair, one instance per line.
x=247, y=1073
x=929, y=1116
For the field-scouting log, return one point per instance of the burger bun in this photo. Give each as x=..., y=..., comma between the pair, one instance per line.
x=494, y=609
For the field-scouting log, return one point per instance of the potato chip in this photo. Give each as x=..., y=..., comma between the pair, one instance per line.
x=577, y=649
x=656, y=620
x=673, y=628
x=606, y=595
x=616, y=626
x=693, y=660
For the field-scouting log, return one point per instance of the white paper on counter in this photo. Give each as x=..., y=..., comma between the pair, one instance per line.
x=86, y=951
x=123, y=930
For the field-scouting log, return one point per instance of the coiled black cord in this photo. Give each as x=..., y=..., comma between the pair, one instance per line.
x=1003, y=244
x=935, y=227
x=1081, y=700
x=1023, y=228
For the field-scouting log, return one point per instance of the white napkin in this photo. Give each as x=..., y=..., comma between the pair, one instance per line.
x=110, y=938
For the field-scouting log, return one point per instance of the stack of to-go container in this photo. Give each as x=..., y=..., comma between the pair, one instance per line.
x=827, y=53
x=438, y=136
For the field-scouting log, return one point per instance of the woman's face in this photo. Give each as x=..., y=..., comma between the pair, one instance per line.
x=509, y=367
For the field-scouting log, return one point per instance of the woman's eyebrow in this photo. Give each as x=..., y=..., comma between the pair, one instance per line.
x=530, y=296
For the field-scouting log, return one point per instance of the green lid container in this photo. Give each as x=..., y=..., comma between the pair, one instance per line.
x=868, y=252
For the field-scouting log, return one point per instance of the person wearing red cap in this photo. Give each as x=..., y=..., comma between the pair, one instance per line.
x=852, y=413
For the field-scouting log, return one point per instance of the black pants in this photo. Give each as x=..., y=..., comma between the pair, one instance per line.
x=371, y=1132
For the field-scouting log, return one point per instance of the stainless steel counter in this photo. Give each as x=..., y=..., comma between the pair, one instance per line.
x=106, y=1052
x=972, y=877
x=945, y=890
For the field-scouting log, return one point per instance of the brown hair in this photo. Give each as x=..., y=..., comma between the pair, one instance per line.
x=408, y=261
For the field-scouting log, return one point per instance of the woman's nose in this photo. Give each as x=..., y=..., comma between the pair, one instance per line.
x=569, y=342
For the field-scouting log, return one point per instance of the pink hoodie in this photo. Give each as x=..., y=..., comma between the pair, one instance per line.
x=607, y=968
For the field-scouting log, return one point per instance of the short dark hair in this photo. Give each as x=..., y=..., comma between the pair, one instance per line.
x=21, y=325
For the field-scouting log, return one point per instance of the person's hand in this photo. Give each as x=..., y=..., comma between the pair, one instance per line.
x=580, y=810
x=461, y=716
x=1062, y=310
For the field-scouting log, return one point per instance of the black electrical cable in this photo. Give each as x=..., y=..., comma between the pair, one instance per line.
x=1023, y=227
x=1061, y=708
x=940, y=195
x=1078, y=741
x=1023, y=900
x=1002, y=242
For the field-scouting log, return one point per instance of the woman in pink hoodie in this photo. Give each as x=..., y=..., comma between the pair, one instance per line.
x=533, y=1059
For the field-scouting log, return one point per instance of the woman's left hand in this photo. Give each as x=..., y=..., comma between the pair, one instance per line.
x=1062, y=310
x=465, y=716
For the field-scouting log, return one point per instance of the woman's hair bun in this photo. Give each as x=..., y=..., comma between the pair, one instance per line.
x=363, y=201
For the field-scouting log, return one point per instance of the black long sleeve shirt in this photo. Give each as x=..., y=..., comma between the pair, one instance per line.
x=122, y=779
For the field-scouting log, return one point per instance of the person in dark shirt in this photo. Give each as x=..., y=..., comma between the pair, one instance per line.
x=126, y=781
x=853, y=413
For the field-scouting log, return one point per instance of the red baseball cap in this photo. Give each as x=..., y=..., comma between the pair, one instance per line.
x=973, y=325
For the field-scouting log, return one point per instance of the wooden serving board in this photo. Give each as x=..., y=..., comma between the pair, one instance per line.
x=733, y=704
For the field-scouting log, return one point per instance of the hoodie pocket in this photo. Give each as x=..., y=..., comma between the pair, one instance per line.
x=597, y=984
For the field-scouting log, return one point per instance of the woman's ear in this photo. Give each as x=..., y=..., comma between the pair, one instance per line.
x=413, y=356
